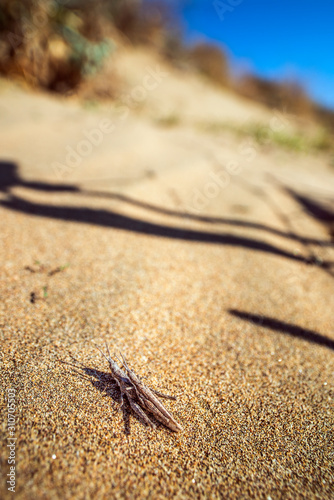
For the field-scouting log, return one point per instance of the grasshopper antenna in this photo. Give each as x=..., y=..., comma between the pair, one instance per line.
x=99, y=348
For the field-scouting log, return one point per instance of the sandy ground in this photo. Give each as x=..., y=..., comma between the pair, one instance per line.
x=199, y=255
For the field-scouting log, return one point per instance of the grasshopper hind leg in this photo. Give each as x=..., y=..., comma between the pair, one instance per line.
x=137, y=409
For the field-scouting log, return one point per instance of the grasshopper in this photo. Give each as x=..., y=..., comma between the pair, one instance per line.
x=139, y=396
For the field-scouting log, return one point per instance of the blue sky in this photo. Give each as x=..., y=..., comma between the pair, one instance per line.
x=273, y=38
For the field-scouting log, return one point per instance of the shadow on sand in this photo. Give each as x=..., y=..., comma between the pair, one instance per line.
x=285, y=328
x=9, y=178
x=104, y=383
x=314, y=209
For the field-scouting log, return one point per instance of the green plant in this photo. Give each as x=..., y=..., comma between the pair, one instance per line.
x=294, y=142
x=171, y=120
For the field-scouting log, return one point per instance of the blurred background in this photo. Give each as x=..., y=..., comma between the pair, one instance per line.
x=276, y=52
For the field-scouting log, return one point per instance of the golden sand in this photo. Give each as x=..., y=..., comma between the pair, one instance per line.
x=254, y=396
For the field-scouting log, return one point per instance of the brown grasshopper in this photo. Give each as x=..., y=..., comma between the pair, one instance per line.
x=139, y=395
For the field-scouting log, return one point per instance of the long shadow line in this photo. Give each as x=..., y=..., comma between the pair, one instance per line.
x=114, y=220
x=283, y=327
x=312, y=207
x=204, y=218
x=275, y=208
x=10, y=177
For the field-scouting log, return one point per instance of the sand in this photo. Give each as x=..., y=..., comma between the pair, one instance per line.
x=217, y=293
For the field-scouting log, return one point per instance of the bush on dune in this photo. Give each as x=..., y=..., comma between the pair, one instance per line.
x=67, y=46
x=53, y=44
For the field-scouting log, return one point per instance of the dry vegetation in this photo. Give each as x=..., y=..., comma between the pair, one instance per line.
x=211, y=61
x=67, y=46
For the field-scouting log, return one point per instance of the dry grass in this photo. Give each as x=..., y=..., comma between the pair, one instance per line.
x=211, y=61
x=283, y=95
x=51, y=46
x=69, y=49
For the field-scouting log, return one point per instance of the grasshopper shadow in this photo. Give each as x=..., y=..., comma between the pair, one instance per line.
x=105, y=383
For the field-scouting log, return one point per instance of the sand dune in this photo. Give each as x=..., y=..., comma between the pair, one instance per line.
x=193, y=250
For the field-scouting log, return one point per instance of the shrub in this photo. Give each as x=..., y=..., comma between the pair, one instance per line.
x=211, y=61
x=289, y=96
